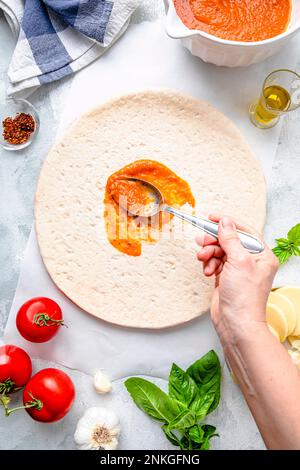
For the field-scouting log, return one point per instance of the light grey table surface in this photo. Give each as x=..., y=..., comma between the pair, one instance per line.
x=18, y=176
x=19, y=170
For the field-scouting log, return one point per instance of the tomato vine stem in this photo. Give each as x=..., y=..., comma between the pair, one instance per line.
x=43, y=319
x=33, y=403
x=7, y=387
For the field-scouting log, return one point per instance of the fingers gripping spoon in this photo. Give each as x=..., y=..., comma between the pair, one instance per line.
x=156, y=204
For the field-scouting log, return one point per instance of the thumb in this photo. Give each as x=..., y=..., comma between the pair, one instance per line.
x=228, y=238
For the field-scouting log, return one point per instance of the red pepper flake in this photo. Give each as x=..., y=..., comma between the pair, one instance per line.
x=17, y=130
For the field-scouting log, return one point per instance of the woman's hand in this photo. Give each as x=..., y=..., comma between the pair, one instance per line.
x=243, y=280
x=261, y=365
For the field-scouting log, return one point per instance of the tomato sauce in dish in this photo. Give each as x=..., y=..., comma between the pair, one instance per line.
x=126, y=232
x=236, y=20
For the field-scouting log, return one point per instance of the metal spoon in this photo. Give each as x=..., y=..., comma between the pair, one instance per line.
x=157, y=204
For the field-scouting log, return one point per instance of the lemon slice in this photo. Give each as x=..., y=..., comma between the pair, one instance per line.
x=277, y=320
x=294, y=341
x=274, y=332
x=293, y=294
x=287, y=306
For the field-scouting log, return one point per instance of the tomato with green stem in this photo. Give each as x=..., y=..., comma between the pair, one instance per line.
x=48, y=396
x=39, y=319
x=15, y=369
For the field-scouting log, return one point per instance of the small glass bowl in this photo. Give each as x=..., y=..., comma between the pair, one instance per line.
x=10, y=108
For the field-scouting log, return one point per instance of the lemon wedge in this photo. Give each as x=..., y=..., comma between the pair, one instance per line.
x=277, y=320
x=293, y=294
x=287, y=306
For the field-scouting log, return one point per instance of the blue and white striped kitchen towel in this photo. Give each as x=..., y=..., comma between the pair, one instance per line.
x=56, y=38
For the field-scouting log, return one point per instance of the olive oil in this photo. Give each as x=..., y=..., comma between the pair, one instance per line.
x=274, y=101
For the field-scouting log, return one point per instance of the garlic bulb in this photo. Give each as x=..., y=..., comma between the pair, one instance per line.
x=101, y=383
x=98, y=429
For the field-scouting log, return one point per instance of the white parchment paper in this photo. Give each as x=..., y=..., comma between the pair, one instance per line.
x=146, y=58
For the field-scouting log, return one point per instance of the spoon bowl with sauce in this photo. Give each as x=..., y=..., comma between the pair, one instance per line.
x=139, y=198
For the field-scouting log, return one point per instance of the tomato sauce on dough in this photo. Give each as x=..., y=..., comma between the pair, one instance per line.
x=125, y=232
x=236, y=20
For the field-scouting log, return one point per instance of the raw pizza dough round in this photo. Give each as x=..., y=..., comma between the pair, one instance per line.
x=165, y=285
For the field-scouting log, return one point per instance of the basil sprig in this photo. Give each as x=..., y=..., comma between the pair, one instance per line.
x=193, y=394
x=287, y=247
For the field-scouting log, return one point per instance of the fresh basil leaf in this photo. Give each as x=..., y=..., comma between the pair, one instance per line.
x=185, y=443
x=184, y=420
x=181, y=386
x=195, y=445
x=282, y=254
x=196, y=433
x=287, y=247
x=206, y=372
x=294, y=234
x=184, y=389
x=205, y=407
x=201, y=405
x=296, y=251
x=283, y=242
x=209, y=432
x=201, y=435
x=152, y=400
x=205, y=444
x=170, y=435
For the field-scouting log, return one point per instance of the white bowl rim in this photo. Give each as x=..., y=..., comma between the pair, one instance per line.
x=198, y=32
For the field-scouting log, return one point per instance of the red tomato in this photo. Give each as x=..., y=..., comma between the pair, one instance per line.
x=39, y=319
x=15, y=366
x=51, y=393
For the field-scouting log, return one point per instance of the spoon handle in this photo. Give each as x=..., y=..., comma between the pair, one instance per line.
x=251, y=243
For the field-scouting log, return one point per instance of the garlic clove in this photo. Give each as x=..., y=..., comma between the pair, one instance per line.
x=101, y=382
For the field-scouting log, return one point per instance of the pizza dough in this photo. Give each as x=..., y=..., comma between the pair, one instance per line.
x=164, y=286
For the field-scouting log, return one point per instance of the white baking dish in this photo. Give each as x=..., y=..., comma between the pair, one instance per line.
x=229, y=53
